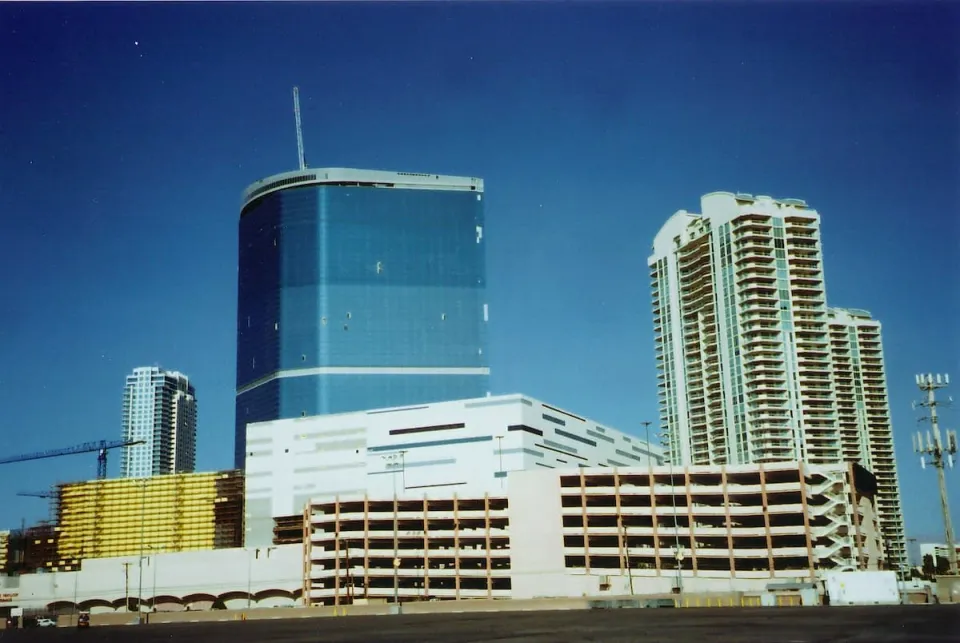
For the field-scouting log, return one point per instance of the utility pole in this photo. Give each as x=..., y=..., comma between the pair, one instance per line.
x=940, y=449
x=126, y=585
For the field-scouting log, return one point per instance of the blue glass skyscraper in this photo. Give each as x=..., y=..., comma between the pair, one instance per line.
x=358, y=289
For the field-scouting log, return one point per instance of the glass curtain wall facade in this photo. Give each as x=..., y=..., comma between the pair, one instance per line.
x=159, y=408
x=359, y=290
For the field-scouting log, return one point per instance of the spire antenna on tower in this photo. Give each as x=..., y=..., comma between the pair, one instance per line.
x=296, y=112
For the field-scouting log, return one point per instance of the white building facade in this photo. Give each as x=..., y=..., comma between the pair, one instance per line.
x=863, y=408
x=741, y=333
x=465, y=447
x=159, y=409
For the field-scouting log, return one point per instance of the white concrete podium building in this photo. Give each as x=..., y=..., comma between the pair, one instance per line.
x=465, y=447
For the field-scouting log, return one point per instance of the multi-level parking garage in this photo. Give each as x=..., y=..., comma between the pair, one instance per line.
x=410, y=549
x=595, y=531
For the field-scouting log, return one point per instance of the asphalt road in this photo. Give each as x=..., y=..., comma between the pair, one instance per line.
x=907, y=624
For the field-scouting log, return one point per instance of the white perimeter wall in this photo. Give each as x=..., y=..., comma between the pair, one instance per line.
x=290, y=462
x=219, y=573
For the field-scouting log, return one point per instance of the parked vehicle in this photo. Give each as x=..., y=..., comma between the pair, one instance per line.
x=46, y=622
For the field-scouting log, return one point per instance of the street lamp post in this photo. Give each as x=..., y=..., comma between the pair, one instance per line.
x=126, y=586
x=76, y=586
x=679, y=555
x=153, y=595
x=391, y=463
x=143, y=519
x=250, y=577
x=76, y=582
x=678, y=550
x=626, y=551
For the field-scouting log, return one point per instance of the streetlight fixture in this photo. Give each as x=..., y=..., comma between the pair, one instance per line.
x=392, y=464
x=255, y=553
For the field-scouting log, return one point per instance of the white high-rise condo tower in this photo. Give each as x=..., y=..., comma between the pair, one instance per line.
x=863, y=410
x=741, y=333
x=160, y=408
x=753, y=366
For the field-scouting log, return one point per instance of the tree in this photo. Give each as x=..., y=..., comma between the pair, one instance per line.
x=929, y=570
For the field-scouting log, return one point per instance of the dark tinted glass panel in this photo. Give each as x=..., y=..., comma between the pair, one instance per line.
x=334, y=276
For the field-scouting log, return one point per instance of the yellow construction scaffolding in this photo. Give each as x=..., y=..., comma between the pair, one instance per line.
x=170, y=513
x=4, y=547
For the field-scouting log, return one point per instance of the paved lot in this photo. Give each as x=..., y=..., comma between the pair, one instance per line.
x=907, y=624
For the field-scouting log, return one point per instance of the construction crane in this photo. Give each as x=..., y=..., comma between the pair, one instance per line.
x=100, y=447
x=38, y=494
x=51, y=495
x=296, y=112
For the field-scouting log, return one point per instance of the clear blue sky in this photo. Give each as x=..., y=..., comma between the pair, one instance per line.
x=127, y=134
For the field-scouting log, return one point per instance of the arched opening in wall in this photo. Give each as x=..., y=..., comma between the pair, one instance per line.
x=120, y=603
x=98, y=606
x=61, y=608
x=237, y=600
x=274, y=598
x=167, y=603
x=198, y=602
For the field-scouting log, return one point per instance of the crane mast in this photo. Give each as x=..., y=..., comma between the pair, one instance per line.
x=296, y=111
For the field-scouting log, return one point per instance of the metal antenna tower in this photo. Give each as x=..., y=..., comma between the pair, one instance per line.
x=940, y=450
x=296, y=111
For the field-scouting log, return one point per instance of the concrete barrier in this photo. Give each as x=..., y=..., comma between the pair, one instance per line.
x=704, y=600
